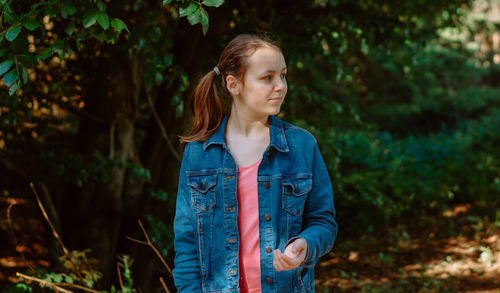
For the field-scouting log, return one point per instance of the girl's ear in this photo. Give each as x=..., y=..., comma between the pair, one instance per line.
x=233, y=85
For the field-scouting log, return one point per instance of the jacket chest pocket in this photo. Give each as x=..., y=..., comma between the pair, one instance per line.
x=203, y=191
x=294, y=194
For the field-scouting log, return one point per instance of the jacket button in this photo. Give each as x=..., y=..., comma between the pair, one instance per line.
x=269, y=281
x=267, y=217
x=267, y=185
x=268, y=249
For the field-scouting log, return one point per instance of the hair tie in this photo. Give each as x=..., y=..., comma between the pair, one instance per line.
x=216, y=70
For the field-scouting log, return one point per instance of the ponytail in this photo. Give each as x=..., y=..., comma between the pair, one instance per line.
x=208, y=110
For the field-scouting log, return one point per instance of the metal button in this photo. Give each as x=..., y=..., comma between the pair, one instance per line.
x=268, y=249
x=267, y=217
x=267, y=185
x=269, y=281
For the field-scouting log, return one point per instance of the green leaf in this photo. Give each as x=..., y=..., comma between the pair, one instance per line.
x=31, y=23
x=165, y=2
x=70, y=28
x=57, y=45
x=101, y=6
x=5, y=66
x=195, y=17
x=68, y=8
x=103, y=20
x=11, y=77
x=98, y=34
x=119, y=25
x=110, y=36
x=50, y=11
x=213, y=3
x=190, y=9
x=204, y=21
x=13, y=32
x=13, y=89
x=25, y=77
x=9, y=14
x=29, y=59
x=57, y=278
x=45, y=54
x=89, y=19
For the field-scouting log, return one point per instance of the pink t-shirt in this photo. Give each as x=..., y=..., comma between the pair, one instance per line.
x=248, y=225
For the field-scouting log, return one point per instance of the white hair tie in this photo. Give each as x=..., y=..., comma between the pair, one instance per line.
x=216, y=70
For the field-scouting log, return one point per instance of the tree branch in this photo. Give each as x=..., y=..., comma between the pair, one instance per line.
x=148, y=243
x=54, y=232
x=44, y=283
x=162, y=128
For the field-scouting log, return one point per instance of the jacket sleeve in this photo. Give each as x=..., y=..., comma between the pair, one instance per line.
x=187, y=276
x=319, y=227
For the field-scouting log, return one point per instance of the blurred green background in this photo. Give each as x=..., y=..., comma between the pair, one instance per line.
x=403, y=96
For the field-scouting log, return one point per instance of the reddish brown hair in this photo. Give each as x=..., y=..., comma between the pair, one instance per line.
x=207, y=104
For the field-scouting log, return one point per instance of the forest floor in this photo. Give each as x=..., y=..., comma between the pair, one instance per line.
x=456, y=251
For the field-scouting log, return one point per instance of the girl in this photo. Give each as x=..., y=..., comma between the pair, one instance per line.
x=254, y=205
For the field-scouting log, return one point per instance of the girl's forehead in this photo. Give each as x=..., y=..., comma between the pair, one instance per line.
x=266, y=59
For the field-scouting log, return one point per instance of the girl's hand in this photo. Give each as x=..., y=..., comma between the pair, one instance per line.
x=294, y=255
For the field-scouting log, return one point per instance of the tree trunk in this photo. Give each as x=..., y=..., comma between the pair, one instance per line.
x=92, y=214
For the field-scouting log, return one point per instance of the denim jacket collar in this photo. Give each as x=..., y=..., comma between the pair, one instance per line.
x=276, y=132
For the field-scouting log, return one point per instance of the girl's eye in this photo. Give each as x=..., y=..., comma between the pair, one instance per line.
x=283, y=75
x=267, y=77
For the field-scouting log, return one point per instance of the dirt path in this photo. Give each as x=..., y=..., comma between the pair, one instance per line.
x=458, y=251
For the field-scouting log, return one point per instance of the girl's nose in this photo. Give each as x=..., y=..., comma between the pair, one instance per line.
x=280, y=85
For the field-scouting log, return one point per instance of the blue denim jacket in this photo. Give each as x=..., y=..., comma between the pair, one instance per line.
x=295, y=200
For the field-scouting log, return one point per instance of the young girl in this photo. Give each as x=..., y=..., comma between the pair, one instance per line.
x=254, y=205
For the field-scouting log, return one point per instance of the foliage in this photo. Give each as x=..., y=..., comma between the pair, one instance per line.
x=78, y=169
x=78, y=269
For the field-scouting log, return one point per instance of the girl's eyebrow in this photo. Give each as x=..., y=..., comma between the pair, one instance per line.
x=271, y=71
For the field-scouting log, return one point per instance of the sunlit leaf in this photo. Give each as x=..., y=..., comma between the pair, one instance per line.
x=195, y=17
x=213, y=3
x=103, y=20
x=190, y=9
x=119, y=25
x=89, y=19
x=13, y=32
x=11, y=77
x=5, y=66
x=204, y=21
x=13, y=89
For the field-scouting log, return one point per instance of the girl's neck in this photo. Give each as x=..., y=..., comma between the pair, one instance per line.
x=247, y=125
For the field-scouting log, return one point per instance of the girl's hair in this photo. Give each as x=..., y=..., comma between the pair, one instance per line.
x=207, y=104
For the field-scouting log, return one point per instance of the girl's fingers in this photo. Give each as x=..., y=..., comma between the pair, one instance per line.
x=278, y=265
x=282, y=262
